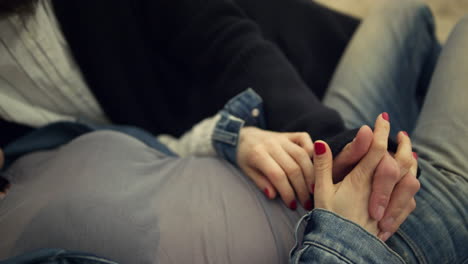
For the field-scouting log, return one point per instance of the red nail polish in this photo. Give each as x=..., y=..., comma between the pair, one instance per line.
x=308, y=205
x=386, y=116
x=406, y=133
x=267, y=192
x=293, y=205
x=319, y=148
x=312, y=186
x=415, y=155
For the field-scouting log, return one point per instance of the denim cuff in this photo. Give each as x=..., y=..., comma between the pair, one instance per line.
x=330, y=238
x=245, y=109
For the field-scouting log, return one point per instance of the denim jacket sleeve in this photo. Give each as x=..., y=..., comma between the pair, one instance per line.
x=245, y=109
x=329, y=238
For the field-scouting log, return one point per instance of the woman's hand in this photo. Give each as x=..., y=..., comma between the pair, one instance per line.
x=350, y=197
x=278, y=162
x=394, y=183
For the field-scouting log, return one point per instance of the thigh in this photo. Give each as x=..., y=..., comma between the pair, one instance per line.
x=383, y=66
x=437, y=231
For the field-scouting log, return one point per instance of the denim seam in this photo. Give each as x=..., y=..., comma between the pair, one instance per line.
x=300, y=253
x=225, y=137
x=418, y=254
x=329, y=250
x=371, y=236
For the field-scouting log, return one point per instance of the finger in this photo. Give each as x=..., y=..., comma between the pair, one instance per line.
x=277, y=177
x=352, y=153
x=402, y=196
x=386, y=176
x=301, y=157
x=292, y=169
x=303, y=140
x=262, y=182
x=404, y=154
x=323, y=164
x=384, y=235
x=363, y=172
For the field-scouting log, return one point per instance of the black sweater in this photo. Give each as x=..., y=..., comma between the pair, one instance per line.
x=164, y=65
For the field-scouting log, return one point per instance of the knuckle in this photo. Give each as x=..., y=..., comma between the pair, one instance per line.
x=256, y=154
x=380, y=146
x=386, y=125
x=406, y=161
x=275, y=175
x=293, y=172
x=297, y=152
x=304, y=136
x=393, y=174
x=412, y=205
x=414, y=185
x=302, y=155
x=382, y=198
x=271, y=142
x=309, y=150
x=322, y=166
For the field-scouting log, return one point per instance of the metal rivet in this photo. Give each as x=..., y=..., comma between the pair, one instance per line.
x=255, y=112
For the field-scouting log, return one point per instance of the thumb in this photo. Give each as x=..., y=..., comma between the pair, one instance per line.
x=352, y=153
x=323, y=165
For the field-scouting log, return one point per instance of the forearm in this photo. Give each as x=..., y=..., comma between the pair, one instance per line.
x=229, y=54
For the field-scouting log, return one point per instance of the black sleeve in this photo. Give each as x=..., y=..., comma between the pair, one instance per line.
x=214, y=41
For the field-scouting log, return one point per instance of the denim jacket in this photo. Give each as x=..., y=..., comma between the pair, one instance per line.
x=245, y=109
x=330, y=238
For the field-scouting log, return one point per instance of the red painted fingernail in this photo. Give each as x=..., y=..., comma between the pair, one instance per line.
x=386, y=116
x=319, y=148
x=406, y=133
x=267, y=192
x=415, y=155
x=308, y=205
x=293, y=205
x=312, y=186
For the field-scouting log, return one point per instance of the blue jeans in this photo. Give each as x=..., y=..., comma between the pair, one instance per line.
x=392, y=58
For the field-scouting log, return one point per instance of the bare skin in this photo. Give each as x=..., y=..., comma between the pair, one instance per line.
x=349, y=198
x=280, y=164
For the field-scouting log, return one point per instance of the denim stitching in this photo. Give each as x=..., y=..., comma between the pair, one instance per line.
x=418, y=254
x=329, y=250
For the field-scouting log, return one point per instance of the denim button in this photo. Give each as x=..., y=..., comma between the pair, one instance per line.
x=255, y=112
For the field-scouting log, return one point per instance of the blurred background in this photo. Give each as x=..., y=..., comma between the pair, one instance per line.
x=447, y=12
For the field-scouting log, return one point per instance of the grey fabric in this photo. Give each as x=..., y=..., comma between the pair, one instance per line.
x=108, y=194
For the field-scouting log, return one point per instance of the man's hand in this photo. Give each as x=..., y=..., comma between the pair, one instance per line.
x=394, y=183
x=393, y=194
x=350, y=197
x=278, y=162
